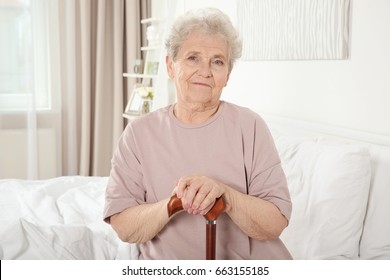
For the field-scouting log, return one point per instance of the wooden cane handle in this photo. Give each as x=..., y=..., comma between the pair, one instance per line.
x=175, y=205
x=218, y=208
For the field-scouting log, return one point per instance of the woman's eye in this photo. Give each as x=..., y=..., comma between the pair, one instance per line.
x=192, y=58
x=218, y=62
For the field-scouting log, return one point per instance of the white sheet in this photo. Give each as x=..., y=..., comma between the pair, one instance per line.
x=60, y=218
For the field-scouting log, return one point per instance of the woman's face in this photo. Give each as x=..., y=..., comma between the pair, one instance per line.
x=200, y=70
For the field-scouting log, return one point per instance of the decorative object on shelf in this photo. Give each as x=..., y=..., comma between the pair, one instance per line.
x=138, y=66
x=154, y=35
x=152, y=68
x=140, y=101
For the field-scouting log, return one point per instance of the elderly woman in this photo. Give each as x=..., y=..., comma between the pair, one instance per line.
x=200, y=148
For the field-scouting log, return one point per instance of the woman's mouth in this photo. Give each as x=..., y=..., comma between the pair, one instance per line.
x=201, y=84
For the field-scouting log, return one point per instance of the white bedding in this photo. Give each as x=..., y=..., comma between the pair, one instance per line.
x=60, y=218
x=329, y=186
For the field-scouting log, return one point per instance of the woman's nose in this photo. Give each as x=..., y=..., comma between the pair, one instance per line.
x=205, y=69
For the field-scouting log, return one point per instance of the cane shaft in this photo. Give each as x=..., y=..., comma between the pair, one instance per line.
x=175, y=205
x=211, y=229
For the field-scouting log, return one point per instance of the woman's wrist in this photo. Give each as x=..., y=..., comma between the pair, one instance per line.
x=228, y=196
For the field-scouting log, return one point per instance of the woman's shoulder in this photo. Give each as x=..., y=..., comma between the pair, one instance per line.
x=144, y=124
x=243, y=114
x=153, y=117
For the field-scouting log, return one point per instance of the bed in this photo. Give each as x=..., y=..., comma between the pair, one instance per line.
x=339, y=182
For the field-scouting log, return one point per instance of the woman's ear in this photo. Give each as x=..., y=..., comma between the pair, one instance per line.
x=169, y=63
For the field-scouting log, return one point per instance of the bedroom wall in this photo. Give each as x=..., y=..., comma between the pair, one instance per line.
x=13, y=160
x=352, y=93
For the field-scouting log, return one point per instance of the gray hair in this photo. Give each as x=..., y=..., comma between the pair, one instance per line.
x=210, y=21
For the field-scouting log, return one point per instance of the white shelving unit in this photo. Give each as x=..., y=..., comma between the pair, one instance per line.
x=140, y=76
x=152, y=58
x=152, y=20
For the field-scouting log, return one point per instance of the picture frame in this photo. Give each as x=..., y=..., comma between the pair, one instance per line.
x=140, y=100
x=134, y=103
x=152, y=67
x=324, y=35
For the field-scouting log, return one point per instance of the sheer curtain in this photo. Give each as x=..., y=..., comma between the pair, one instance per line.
x=69, y=57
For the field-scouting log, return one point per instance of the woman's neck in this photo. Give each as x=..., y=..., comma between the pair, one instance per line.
x=194, y=113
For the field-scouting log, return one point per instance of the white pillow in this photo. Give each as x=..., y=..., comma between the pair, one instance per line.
x=375, y=241
x=329, y=187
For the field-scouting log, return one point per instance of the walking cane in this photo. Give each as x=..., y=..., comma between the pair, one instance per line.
x=211, y=217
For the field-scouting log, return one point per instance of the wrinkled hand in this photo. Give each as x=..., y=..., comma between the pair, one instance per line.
x=198, y=193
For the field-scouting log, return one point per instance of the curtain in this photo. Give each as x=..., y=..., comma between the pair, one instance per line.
x=92, y=80
x=79, y=51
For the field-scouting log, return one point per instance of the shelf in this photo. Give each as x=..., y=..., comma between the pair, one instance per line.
x=134, y=75
x=153, y=55
x=130, y=117
x=150, y=48
x=151, y=20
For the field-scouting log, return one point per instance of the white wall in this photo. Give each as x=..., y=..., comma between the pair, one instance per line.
x=353, y=93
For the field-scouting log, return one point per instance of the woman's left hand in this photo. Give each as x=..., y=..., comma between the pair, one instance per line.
x=198, y=193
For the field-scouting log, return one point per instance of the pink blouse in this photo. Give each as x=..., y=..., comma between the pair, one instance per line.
x=234, y=146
